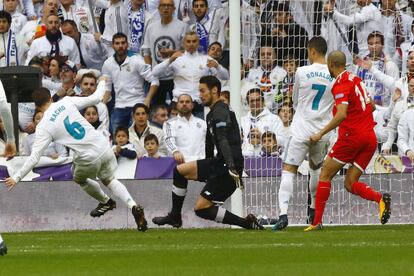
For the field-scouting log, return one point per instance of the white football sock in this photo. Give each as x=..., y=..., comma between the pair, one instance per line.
x=92, y=188
x=285, y=191
x=313, y=184
x=1, y=240
x=121, y=192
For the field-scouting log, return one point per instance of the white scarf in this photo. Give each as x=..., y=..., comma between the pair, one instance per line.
x=9, y=48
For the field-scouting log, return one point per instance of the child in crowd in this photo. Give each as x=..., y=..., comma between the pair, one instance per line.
x=285, y=113
x=290, y=64
x=253, y=147
x=54, y=150
x=225, y=96
x=270, y=146
x=122, y=147
x=151, y=145
x=92, y=116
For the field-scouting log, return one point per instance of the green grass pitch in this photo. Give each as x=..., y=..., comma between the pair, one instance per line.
x=350, y=250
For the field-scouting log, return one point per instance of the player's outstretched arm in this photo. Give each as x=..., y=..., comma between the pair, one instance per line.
x=42, y=141
x=335, y=122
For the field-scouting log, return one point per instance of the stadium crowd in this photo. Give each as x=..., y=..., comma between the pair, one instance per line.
x=154, y=52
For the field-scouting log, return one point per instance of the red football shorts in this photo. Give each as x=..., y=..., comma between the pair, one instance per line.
x=356, y=149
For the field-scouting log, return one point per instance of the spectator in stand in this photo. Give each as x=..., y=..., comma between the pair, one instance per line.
x=54, y=150
x=402, y=103
x=253, y=146
x=127, y=75
x=91, y=53
x=18, y=19
x=158, y=115
x=141, y=128
x=406, y=130
x=54, y=43
x=401, y=55
x=122, y=147
x=360, y=24
x=185, y=134
x=188, y=68
x=67, y=77
x=173, y=110
x=267, y=76
x=290, y=64
x=151, y=145
x=138, y=20
x=116, y=21
x=204, y=25
x=381, y=62
x=259, y=119
x=88, y=86
x=52, y=80
x=285, y=113
x=161, y=39
x=10, y=51
x=79, y=12
x=270, y=146
x=288, y=37
x=215, y=50
x=225, y=95
x=36, y=28
x=92, y=115
x=395, y=26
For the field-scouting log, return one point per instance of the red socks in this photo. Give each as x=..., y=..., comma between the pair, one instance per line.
x=322, y=196
x=366, y=192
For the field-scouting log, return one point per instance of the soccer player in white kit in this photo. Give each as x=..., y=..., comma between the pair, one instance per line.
x=313, y=102
x=93, y=157
x=10, y=149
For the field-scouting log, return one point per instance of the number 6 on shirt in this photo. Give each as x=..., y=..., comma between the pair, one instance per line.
x=75, y=129
x=320, y=88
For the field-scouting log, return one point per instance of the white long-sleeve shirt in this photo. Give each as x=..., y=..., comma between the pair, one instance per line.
x=265, y=121
x=187, y=71
x=397, y=111
x=63, y=124
x=186, y=136
x=116, y=20
x=94, y=54
x=6, y=115
x=405, y=140
x=366, y=21
x=41, y=47
x=52, y=149
x=388, y=26
x=128, y=79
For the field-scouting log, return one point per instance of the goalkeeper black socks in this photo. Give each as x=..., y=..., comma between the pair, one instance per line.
x=179, y=190
x=219, y=214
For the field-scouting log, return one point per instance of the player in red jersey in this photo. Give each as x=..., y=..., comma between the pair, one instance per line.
x=356, y=141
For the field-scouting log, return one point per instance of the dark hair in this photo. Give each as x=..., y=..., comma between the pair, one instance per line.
x=41, y=96
x=285, y=104
x=88, y=75
x=70, y=22
x=376, y=34
x=140, y=105
x=93, y=106
x=154, y=109
x=205, y=2
x=6, y=15
x=36, y=61
x=270, y=134
x=284, y=7
x=218, y=43
x=226, y=94
x=319, y=44
x=290, y=57
x=150, y=137
x=211, y=82
x=122, y=128
x=254, y=90
x=36, y=111
x=119, y=35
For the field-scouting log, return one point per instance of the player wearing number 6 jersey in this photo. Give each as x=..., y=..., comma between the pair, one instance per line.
x=93, y=157
x=356, y=141
x=313, y=101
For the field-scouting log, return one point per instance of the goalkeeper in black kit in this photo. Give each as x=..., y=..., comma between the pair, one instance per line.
x=221, y=173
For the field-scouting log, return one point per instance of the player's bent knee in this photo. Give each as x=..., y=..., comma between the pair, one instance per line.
x=178, y=179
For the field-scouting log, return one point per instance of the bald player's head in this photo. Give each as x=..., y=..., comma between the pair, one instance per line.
x=336, y=63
